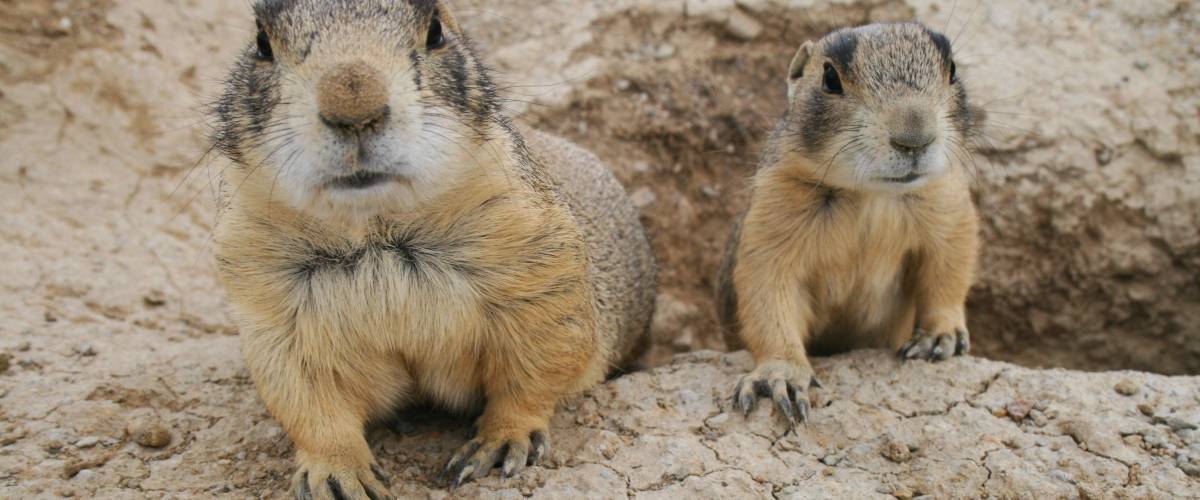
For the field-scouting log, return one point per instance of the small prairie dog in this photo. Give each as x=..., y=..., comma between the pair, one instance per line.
x=861, y=230
x=388, y=237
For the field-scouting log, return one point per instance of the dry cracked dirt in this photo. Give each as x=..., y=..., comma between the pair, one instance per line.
x=120, y=375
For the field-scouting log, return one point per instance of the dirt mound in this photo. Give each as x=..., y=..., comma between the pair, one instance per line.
x=1091, y=252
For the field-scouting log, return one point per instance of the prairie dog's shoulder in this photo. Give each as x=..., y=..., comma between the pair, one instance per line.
x=622, y=265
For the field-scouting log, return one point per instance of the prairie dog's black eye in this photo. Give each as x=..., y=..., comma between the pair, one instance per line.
x=831, y=83
x=436, y=39
x=264, y=45
x=953, y=73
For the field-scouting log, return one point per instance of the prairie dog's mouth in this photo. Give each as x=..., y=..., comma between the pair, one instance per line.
x=361, y=180
x=910, y=178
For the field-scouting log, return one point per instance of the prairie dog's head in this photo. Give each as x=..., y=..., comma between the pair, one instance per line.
x=354, y=107
x=879, y=107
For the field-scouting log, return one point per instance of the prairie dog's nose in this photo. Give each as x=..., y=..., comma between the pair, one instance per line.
x=911, y=141
x=352, y=96
x=912, y=130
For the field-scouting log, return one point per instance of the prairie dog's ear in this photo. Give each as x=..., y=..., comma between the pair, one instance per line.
x=447, y=17
x=796, y=70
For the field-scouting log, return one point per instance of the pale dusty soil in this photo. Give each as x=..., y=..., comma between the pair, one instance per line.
x=1089, y=186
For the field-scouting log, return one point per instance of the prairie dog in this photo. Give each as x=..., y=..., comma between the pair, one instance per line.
x=388, y=238
x=861, y=231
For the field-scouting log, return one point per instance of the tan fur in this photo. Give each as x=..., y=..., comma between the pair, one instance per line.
x=859, y=272
x=823, y=266
x=524, y=278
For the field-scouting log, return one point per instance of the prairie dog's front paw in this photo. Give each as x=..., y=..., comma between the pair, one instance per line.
x=784, y=382
x=510, y=451
x=939, y=346
x=318, y=479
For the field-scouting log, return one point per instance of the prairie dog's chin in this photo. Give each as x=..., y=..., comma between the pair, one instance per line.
x=339, y=201
x=899, y=175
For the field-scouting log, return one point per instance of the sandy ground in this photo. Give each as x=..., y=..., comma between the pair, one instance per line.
x=112, y=320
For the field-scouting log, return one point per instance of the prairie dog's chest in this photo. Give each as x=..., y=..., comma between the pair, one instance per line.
x=865, y=252
x=403, y=294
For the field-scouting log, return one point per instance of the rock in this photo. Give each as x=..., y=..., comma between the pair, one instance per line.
x=87, y=442
x=155, y=299
x=1146, y=409
x=1176, y=423
x=664, y=51
x=23, y=346
x=896, y=451
x=149, y=432
x=743, y=27
x=5, y=362
x=1061, y=475
x=1019, y=409
x=643, y=197
x=85, y=349
x=1127, y=388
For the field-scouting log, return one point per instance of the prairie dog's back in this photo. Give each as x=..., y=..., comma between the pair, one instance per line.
x=622, y=268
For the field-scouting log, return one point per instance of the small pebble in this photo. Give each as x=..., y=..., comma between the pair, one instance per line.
x=85, y=475
x=831, y=460
x=1155, y=440
x=742, y=26
x=643, y=197
x=85, y=349
x=155, y=298
x=24, y=346
x=87, y=442
x=1061, y=476
x=624, y=84
x=664, y=51
x=149, y=432
x=1191, y=469
x=5, y=362
x=1146, y=409
x=1019, y=409
x=896, y=451
x=53, y=446
x=1127, y=388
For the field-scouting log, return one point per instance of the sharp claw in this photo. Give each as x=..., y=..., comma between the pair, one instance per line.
x=305, y=489
x=913, y=353
x=785, y=405
x=937, y=352
x=747, y=403
x=816, y=383
x=537, y=443
x=963, y=345
x=514, y=462
x=380, y=476
x=335, y=489
x=462, y=475
x=802, y=410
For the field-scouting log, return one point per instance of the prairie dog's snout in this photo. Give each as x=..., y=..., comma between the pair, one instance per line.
x=911, y=129
x=352, y=97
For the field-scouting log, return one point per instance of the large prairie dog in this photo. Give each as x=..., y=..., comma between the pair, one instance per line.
x=388, y=238
x=861, y=230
